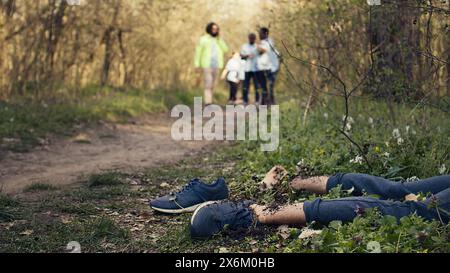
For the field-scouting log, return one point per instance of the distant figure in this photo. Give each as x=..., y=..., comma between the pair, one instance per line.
x=209, y=56
x=249, y=53
x=268, y=66
x=234, y=73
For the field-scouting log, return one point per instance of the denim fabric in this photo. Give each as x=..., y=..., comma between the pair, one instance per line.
x=233, y=90
x=390, y=193
x=262, y=77
x=267, y=77
x=249, y=76
x=272, y=77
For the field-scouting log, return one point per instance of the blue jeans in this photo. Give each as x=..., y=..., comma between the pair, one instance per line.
x=233, y=90
x=249, y=76
x=391, y=193
x=268, y=92
x=272, y=77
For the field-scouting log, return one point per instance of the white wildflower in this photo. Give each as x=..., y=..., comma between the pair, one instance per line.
x=348, y=127
x=400, y=141
x=325, y=115
x=408, y=129
x=370, y=120
x=358, y=160
x=443, y=169
x=396, y=133
x=349, y=119
x=374, y=247
x=301, y=162
x=413, y=179
x=386, y=154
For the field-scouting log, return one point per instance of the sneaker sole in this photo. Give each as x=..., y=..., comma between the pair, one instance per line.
x=199, y=208
x=184, y=210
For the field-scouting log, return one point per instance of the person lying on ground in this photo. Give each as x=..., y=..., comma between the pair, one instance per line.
x=211, y=215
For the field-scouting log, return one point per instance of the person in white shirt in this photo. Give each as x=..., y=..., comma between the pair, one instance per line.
x=249, y=53
x=268, y=66
x=234, y=73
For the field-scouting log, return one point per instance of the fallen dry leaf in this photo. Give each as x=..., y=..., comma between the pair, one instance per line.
x=273, y=177
x=309, y=233
x=223, y=250
x=165, y=185
x=284, y=232
x=137, y=227
x=27, y=232
x=66, y=220
x=132, y=182
x=81, y=138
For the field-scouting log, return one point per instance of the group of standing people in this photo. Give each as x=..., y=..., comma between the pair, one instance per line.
x=258, y=61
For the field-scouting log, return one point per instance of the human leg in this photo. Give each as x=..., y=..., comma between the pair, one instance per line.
x=246, y=87
x=262, y=82
x=386, y=189
x=346, y=209
x=209, y=85
x=210, y=75
x=212, y=218
x=233, y=91
x=256, y=87
x=361, y=183
x=272, y=77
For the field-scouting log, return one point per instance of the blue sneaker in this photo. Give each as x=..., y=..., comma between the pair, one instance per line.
x=191, y=197
x=211, y=218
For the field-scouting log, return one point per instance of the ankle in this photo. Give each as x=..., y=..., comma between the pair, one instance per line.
x=316, y=184
x=259, y=213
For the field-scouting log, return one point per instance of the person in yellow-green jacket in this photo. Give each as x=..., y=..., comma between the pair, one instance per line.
x=209, y=56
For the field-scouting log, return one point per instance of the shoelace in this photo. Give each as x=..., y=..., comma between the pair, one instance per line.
x=184, y=189
x=237, y=216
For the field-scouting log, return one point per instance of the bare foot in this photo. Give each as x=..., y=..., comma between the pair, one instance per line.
x=274, y=177
x=316, y=184
x=260, y=213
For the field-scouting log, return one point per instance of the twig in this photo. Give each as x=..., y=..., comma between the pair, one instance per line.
x=359, y=148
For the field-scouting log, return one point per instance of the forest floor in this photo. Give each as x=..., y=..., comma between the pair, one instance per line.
x=107, y=210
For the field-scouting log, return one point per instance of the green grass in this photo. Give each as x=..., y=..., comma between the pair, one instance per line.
x=39, y=187
x=105, y=179
x=8, y=208
x=26, y=121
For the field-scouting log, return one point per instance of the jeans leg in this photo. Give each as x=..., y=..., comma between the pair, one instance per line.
x=256, y=84
x=347, y=209
x=432, y=185
x=246, y=86
x=262, y=81
x=272, y=77
x=387, y=189
x=440, y=202
x=233, y=90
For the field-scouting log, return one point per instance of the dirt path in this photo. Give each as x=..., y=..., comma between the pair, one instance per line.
x=143, y=144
